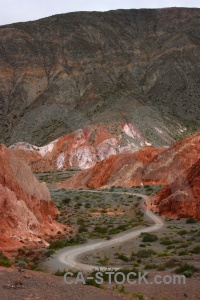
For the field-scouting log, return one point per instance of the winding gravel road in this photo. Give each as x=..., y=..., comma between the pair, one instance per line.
x=68, y=258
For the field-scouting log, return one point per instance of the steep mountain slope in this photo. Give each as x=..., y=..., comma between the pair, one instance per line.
x=69, y=71
x=82, y=148
x=26, y=209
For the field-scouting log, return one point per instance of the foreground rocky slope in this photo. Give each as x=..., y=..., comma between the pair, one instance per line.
x=69, y=71
x=81, y=149
x=26, y=209
x=40, y=285
x=177, y=167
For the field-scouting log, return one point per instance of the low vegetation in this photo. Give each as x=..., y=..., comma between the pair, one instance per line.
x=5, y=261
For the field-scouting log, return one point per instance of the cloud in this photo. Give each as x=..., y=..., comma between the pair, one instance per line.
x=26, y=10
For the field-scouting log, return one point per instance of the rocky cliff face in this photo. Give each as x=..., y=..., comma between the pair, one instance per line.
x=69, y=71
x=81, y=149
x=26, y=209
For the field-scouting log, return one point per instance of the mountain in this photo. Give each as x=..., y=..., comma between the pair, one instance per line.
x=70, y=71
x=176, y=167
x=26, y=210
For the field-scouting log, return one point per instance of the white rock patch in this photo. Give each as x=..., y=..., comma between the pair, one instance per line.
x=148, y=144
x=107, y=148
x=60, y=161
x=84, y=157
x=24, y=146
x=130, y=131
x=28, y=147
x=47, y=148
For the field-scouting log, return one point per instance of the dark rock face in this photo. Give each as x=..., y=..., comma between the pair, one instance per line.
x=68, y=71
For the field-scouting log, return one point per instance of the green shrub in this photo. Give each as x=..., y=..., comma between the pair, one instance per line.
x=80, y=221
x=145, y=253
x=21, y=251
x=34, y=267
x=4, y=261
x=100, y=229
x=165, y=241
x=183, y=245
x=147, y=237
x=190, y=221
x=171, y=263
x=123, y=257
x=66, y=200
x=150, y=266
x=61, y=243
x=186, y=270
x=82, y=228
x=92, y=282
x=49, y=252
x=138, y=296
x=196, y=250
x=21, y=264
x=103, y=261
x=181, y=253
x=161, y=268
x=182, y=232
x=60, y=273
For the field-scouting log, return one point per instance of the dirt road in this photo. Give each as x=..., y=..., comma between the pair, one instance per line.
x=68, y=258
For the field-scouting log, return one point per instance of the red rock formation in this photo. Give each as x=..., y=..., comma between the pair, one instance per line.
x=81, y=149
x=177, y=167
x=26, y=209
x=173, y=162
x=182, y=197
x=115, y=170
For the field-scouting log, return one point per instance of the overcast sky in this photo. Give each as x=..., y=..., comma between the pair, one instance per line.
x=25, y=10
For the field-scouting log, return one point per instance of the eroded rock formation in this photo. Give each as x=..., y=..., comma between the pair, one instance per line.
x=119, y=170
x=26, y=210
x=81, y=149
